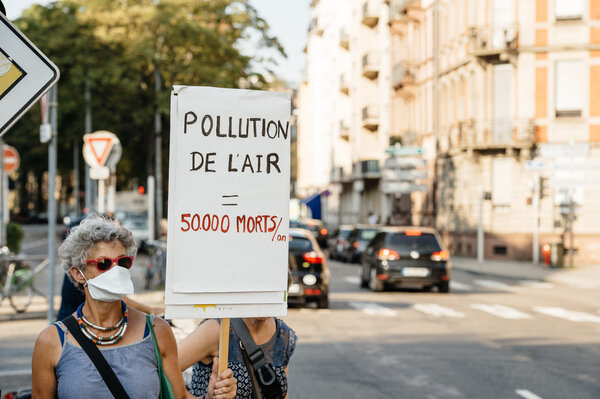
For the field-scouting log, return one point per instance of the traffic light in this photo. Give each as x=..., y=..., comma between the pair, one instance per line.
x=544, y=188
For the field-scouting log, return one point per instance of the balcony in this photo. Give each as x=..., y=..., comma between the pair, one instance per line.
x=344, y=39
x=370, y=14
x=344, y=131
x=492, y=135
x=494, y=45
x=403, y=79
x=402, y=12
x=337, y=174
x=344, y=87
x=368, y=169
x=370, y=66
x=370, y=118
x=314, y=27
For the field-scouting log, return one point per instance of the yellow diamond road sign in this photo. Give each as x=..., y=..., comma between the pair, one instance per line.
x=25, y=74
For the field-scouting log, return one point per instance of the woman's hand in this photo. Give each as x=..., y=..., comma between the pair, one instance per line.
x=222, y=386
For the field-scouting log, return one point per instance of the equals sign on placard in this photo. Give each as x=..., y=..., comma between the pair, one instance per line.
x=230, y=200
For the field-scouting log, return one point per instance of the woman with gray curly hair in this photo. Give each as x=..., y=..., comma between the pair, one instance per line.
x=97, y=256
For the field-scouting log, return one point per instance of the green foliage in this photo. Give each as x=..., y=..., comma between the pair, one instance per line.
x=117, y=45
x=14, y=237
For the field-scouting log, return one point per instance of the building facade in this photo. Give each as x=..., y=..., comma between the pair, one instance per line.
x=498, y=94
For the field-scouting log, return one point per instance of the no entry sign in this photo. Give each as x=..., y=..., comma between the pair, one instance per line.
x=11, y=159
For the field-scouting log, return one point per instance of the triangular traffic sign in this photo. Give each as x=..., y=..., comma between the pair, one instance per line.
x=100, y=145
x=25, y=74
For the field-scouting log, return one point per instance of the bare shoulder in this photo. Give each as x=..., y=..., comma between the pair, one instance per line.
x=47, y=345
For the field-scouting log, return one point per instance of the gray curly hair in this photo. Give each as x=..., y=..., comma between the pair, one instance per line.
x=81, y=240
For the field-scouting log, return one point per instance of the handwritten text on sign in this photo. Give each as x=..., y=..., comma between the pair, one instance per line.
x=229, y=190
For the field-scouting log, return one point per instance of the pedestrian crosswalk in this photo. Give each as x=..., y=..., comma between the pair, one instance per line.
x=498, y=310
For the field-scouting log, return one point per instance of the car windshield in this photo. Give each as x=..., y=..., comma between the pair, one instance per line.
x=425, y=243
x=300, y=244
x=135, y=224
x=367, y=234
x=344, y=233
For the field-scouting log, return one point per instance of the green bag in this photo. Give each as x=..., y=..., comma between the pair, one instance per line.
x=166, y=391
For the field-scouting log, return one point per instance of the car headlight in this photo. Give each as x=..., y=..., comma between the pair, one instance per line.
x=309, y=279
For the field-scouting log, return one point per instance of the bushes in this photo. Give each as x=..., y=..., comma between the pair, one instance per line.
x=14, y=237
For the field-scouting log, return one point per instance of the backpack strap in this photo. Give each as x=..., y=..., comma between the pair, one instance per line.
x=106, y=372
x=264, y=372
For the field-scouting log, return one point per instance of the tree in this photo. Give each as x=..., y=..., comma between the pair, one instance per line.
x=118, y=45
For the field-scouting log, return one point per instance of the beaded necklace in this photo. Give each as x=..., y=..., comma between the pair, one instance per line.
x=85, y=325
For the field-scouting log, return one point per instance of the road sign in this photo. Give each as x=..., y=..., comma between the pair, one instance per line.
x=405, y=163
x=99, y=173
x=400, y=174
x=402, y=187
x=405, y=151
x=97, y=147
x=535, y=165
x=11, y=159
x=25, y=74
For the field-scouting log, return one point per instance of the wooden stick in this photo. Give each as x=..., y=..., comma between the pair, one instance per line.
x=224, y=345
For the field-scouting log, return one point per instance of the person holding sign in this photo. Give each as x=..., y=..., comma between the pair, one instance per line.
x=104, y=348
x=276, y=340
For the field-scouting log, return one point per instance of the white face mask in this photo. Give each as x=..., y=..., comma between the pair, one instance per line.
x=110, y=286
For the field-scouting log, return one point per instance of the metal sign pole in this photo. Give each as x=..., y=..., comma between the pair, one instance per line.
x=535, y=202
x=53, y=103
x=480, y=228
x=2, y=197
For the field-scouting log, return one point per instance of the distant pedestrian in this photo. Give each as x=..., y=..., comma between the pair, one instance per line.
x=373, y=218
x=97, y=256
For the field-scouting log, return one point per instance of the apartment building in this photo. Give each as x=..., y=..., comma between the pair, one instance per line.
x=499, y=94
x=344, y=117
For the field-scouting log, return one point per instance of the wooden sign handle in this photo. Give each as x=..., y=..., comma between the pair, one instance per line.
x=224, y=345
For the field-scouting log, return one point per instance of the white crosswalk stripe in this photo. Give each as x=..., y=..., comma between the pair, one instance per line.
x=496, y=285
x=502, y=311
x=352, y=279
x=527, y=394
x=436, y=310
x=458, y=286
x=535, y=284
x=373, y=309
x=567, y=314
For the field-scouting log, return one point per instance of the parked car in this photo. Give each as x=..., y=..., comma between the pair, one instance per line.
x=357, y=242
x=338, y=240
x=138, y=225
x=309, y=270
x=315, y=226
x=406, y=257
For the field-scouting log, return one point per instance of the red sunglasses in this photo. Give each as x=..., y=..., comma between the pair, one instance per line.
x=105, y=264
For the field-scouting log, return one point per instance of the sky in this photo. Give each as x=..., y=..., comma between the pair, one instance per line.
x=288, y=20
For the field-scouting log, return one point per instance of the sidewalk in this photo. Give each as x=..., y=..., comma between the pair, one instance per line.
x=38, y=308
x=584, y=276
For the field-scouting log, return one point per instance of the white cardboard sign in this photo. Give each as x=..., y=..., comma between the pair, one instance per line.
x=228, y=199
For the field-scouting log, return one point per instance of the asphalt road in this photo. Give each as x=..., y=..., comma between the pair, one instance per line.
x=488, y=338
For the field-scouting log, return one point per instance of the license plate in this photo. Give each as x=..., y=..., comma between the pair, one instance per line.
x=294, y=289
x=415, y=272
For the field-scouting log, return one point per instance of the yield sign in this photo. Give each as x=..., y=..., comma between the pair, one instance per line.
x=25, y=74
x=97, y=147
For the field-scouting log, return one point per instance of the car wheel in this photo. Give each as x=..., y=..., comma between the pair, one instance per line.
x=444, y=287
x=323, y=303
x=374, y=284
x=364, y=283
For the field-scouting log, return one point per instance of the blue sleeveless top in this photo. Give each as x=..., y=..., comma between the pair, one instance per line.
x=277, y=350
x=134, y=365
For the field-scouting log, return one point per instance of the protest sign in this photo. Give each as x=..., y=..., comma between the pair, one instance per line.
x=228, y=199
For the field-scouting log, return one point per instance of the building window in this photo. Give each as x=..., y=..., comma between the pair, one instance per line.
x=568, y=10
x=569, y=90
